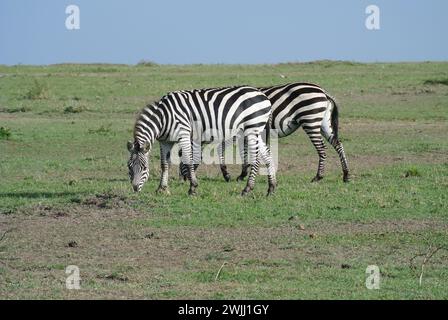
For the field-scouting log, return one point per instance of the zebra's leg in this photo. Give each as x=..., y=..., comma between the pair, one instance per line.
x=187, y=159
x=337, y=145
x=329, y=134
x=316, y=139
x=222, y=165
x=197, y=154
x=197, y=158
x=165, y=149
x=245, y=166
x=266, y=157
x=252, y=146
x=183, y=169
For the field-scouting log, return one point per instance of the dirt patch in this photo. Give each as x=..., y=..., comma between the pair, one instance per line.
x=78, y=221
x=107, y=201
x=112, y=246
x=378, y=227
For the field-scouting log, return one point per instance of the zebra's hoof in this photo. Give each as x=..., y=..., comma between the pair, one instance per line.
x=346, y=177
x=192, y=193
x=227, y=177
x=246, y=191
x=317, y=178
x=239, y=179
x=271, y=191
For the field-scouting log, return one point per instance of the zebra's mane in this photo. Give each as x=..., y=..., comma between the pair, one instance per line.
x=149, y=106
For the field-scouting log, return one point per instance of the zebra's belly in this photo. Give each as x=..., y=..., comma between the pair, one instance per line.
x=205, y=136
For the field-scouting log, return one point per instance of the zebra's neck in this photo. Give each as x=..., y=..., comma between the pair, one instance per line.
x=149, y=125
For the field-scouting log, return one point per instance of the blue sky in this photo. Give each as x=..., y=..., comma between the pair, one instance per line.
x=231, y=31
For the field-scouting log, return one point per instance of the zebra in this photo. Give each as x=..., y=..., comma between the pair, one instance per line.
x=228, y=112
x=305, y=105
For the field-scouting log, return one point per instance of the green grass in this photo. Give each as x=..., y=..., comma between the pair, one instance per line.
x=63, y=178
x=5, y=133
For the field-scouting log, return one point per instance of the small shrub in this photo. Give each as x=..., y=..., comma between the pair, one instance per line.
x=146, y=63
x=39, y=90
x=75, y=109
x=436, y=81
x=15, y=110
x=412, y=172
x=116, y=276
x=5, y=133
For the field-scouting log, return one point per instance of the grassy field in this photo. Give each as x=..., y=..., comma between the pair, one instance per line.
x=65, y=198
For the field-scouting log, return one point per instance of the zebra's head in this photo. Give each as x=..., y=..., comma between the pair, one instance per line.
x=138, y=164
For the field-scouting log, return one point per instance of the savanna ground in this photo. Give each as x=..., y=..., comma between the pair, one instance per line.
x=65, y=198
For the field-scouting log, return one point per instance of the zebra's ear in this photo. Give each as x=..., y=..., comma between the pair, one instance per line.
x=145, y=148
x=130, y=146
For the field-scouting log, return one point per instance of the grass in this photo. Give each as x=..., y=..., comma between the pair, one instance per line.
x=5, y=133
x=437, y=81
x=75, y=109
x=38, y=90
x=64, y=180
x=103, y=130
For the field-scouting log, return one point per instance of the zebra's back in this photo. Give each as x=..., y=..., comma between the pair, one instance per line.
x=222, y=111
x=295, y=105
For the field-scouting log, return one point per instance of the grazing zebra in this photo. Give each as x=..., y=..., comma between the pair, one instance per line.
x=303, y=105
x=224, y=112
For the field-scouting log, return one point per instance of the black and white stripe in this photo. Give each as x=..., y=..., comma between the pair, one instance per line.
x=308, y=106
x=303, y=105
x=223, y=113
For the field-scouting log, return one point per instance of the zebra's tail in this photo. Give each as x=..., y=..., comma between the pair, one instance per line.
x=334, y=118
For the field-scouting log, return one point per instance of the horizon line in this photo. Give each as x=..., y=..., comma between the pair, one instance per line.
x=150, y=63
